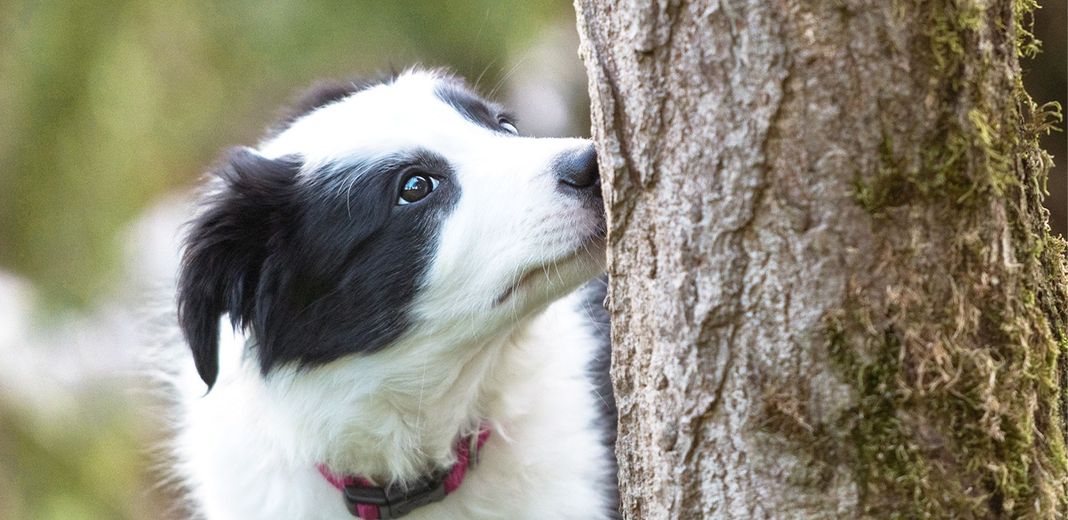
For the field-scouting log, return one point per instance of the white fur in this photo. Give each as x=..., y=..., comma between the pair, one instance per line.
x=248, y=449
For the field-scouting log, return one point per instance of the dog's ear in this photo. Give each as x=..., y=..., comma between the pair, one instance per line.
x=319, y=95
x=226, y=247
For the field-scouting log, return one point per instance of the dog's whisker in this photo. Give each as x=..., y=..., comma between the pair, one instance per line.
x=515, y=68
x=419, y=406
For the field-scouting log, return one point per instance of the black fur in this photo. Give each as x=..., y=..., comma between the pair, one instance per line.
x=472, y=106
x=324, y=92
x=321, y=94
x=227, y=247
x=453, y=91
x=314, y=273
x=593, y=305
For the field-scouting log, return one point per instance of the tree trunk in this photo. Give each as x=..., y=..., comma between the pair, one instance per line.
x=833, y=289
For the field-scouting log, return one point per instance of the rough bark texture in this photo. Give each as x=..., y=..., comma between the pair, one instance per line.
x=834, y=294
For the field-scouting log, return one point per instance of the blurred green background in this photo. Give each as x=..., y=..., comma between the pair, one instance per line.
x=109, y=111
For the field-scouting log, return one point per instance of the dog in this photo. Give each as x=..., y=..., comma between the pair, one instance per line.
x=389, y=300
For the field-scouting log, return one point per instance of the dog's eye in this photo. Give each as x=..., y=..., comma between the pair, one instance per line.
x=507, y=125
x=415, y=187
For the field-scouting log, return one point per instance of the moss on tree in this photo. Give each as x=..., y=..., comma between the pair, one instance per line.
x=957, y=362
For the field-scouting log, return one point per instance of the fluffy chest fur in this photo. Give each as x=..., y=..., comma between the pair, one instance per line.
x=246, y=457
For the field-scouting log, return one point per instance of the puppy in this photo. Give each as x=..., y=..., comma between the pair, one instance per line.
x=382, y=299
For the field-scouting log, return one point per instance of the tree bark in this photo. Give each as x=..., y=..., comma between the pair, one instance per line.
x=833, y=288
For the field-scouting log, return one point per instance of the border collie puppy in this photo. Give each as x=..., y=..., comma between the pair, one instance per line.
x=382, y=300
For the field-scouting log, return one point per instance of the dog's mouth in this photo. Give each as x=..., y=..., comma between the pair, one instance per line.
x=551, y=268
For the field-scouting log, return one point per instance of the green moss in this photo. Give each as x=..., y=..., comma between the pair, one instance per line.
x=1027, y=45
x=956, y=363
x=889, y=468
x=966, y=154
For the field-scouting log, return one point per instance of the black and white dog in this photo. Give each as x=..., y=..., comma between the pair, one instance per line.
x=400, y=268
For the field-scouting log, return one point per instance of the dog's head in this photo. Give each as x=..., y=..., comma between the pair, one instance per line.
x=408, y=208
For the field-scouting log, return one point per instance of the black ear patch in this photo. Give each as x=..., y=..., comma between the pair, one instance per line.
x=319, y=95
x=325, y=92
x=470, y=105
x=226, y=247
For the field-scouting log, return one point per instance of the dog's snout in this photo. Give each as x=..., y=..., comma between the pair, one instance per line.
x=579, y=169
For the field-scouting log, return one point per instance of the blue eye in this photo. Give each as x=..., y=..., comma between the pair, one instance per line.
x=416, y=187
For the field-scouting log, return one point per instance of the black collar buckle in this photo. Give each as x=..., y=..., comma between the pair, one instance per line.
x=397, y=501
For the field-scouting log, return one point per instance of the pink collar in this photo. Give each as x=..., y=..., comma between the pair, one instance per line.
x=369, y=502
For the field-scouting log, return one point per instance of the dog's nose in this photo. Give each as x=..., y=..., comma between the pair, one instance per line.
x=579, y=169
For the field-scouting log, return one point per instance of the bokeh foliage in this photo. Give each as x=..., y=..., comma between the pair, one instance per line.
x=86, y=465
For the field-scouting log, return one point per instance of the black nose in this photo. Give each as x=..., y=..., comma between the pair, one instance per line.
x=578, y=169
